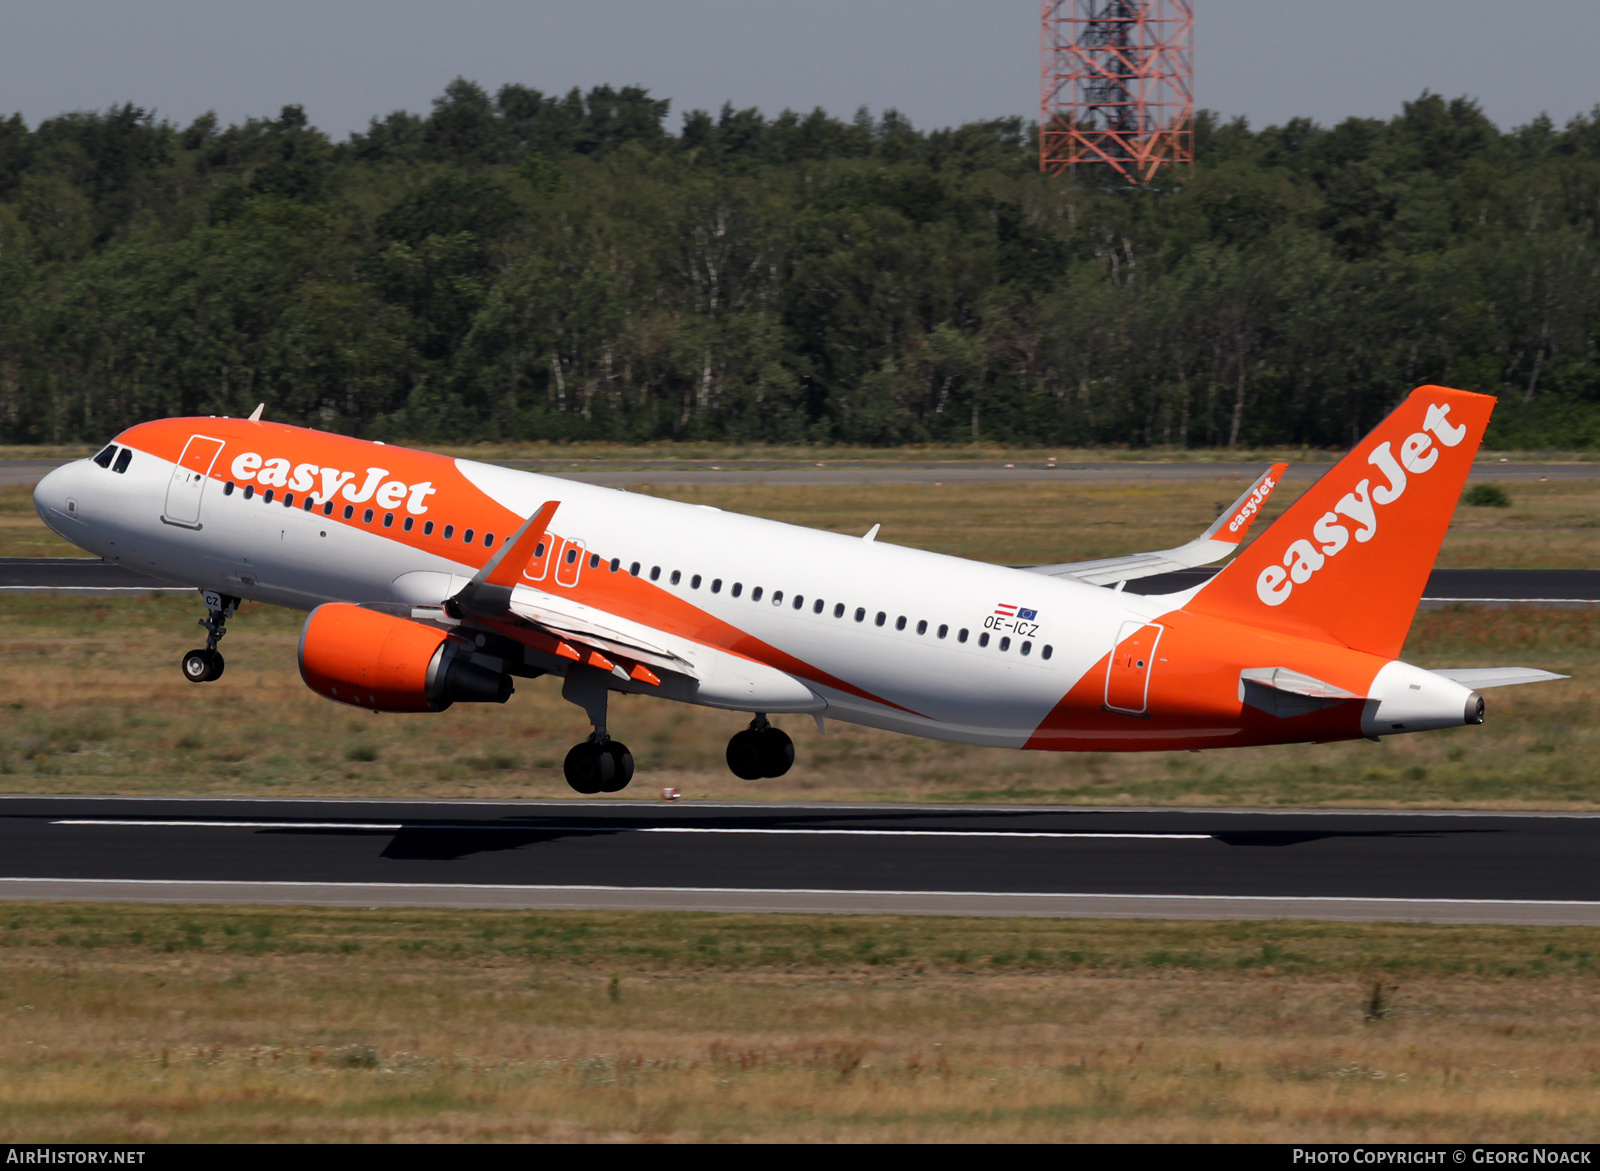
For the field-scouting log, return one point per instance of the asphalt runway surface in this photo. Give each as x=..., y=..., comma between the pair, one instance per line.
x=1211, y=864
x=680, y=473
x=1501, y=587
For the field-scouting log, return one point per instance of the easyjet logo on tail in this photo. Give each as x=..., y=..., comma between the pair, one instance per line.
x=1332, y=531
x=324, y=483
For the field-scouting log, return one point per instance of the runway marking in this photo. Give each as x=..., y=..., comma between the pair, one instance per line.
x=395, y=827
x=780, y=890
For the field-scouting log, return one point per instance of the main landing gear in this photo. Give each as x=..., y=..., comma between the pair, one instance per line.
x=760, y=751
x=599, y=764
x=205, y=664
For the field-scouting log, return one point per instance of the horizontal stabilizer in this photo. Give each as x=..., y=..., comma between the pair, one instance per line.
x=1217, y=542
x=1478, y=678
x=1281, y=692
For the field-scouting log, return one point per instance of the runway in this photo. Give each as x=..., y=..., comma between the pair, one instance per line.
x=1502, y=587
x=974, y=860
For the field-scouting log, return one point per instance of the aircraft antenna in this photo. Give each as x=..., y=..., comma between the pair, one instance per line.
x=1116, y=89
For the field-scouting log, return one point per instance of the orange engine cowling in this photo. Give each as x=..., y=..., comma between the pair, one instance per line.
x=382, y=663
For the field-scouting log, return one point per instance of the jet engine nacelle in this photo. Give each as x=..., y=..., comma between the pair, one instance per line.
x=376, y=661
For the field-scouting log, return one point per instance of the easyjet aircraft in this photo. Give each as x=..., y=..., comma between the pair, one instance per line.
x=433, y=581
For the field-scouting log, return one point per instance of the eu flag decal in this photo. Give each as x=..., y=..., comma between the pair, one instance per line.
x=1028, y=615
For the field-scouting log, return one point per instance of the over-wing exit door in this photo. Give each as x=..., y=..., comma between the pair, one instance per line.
x=189, y=481
x=1128, y=674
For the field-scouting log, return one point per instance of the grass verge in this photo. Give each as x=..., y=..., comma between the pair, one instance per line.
x=148, y=1023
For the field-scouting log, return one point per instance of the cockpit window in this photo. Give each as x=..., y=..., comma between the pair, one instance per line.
x=123, y=460
x=104, y=458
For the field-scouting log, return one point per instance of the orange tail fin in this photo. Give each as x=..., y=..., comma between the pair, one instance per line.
x=1348, y=561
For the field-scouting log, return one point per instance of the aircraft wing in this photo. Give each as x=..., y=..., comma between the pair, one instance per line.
x=1222, y=538
x=558, y=625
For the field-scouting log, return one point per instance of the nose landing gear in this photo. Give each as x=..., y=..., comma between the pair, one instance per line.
x=205, y=664
x=760, y=751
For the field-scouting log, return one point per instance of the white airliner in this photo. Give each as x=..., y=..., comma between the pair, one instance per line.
x=433, y=581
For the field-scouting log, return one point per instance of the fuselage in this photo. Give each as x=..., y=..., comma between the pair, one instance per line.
x=781, y=617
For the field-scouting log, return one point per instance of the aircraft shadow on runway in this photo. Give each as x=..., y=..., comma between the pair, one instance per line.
x=450, y=843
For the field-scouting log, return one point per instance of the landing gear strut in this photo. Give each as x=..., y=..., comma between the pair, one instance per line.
x=760, y=751
x=599, y=764
x=205, y=664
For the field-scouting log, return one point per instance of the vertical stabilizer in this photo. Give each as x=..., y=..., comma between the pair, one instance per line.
x=1348, y=561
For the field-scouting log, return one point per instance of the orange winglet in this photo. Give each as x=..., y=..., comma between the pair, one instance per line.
x=514, y=558
x=596, y=659
x=644, y=675
x=567, y=651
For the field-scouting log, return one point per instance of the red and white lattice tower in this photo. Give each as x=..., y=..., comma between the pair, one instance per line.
x=1116, y=90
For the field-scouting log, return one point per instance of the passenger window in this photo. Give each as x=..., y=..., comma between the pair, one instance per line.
x=1045, y=654
x=104, y=458
x=366, y=517
x=861, y=613
x=349, y=509
x=799, y=601
x=410, y=524
x=677, y=576
x=311, y=502
x=900, y=622
x=572, y=554
x=227, y=489
x=838, y=610
x=1005, y=643
x=755, y=594
x=488, y=540
x=538, y=550
x=694, y=582
x=594, y=558
x=327, y=510
x=449, y=530
x=616, y=564
x=124, y=458
x=250, y=491
x=466, y=537
x=633, y=570
x=922, y=627
x=288, y=499
x=777, y=597
x=983, y=639
x=716, y=586
x=962, y=637
x=816, y=607
x=388, y=520
x=1026, y=647
x=738, y=588
x=655, y=573
x=427, y=531
x=879, y=620
x=943, y=630
x=267, y=495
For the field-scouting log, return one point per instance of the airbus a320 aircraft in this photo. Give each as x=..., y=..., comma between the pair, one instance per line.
x=432, y=581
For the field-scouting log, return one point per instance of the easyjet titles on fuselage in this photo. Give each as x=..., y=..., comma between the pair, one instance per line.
x=303, y=477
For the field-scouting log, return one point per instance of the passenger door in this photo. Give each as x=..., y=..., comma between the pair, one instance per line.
x=571, y=563
x=189, y=481
x=1128, y=674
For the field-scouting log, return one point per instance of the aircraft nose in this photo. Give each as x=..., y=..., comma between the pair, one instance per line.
x=54, y=498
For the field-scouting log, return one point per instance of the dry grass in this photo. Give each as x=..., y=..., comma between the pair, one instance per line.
x=91, y=700
x=137, y=1024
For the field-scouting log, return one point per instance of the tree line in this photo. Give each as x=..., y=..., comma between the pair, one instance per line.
x=531, y=266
